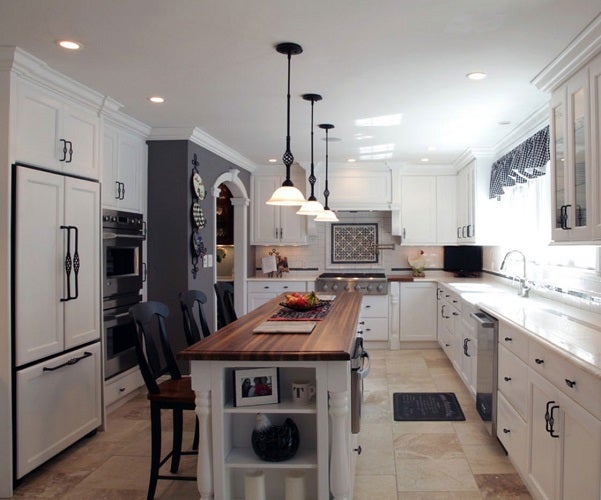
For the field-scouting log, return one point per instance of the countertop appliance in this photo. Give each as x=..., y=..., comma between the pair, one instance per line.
x=369, y=283
x=486, y=374
x=56, y=319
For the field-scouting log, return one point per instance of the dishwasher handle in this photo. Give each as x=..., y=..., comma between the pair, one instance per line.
x=484, y=320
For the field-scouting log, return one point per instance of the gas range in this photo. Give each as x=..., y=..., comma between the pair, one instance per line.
x=367, y=283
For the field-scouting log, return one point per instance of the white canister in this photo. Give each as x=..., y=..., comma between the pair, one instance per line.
x=254, y=485
x=295, y=486
x=302, y=392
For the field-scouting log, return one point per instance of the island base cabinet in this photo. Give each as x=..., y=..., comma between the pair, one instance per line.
x=275, y=483
x=565, y=452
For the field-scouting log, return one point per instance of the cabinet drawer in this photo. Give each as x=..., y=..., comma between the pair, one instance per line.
x=374, y=306
x=277, y=287
x=119, y=386
x=452, y=298
x=512, y=432
x=374, y=328
x=56, y=406
x=514, y=340
x=513, y=380
x=579, y=385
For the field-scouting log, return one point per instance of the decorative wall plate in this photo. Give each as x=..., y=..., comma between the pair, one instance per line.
x=198, y=187
x=198, y=246
x=198, y=216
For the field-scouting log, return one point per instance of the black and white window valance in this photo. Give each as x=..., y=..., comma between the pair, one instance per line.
x=525, y=162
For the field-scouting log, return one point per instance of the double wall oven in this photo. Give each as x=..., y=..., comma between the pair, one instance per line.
x=122, y=240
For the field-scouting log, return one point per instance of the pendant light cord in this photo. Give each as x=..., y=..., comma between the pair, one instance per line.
x=326, y=192
x=288, y=158
x=312, y=176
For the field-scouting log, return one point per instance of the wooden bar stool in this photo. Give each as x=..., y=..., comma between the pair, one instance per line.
x=175, y=394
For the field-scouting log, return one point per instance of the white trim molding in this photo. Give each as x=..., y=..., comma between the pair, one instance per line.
x=204, y=140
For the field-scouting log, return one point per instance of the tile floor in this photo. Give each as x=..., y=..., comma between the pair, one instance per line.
x=400, y=460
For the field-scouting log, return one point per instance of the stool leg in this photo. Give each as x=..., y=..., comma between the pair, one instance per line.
x=155, y=439
x=178, y=424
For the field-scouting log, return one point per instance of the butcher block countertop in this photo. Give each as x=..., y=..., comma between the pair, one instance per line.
x=332, y=339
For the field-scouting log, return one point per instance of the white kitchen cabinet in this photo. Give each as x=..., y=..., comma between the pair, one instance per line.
x=565, y=451
x=449, y=315
x=49, y=419
x=275, y=225
x=468, y=332
x=373, y=319
x=124, y=170
x=54, y=133
x=356, y=187
x=427, y=213
x=418, y=311
x=465, y=230
x=118, y=387
x=571, y=160
x=260, y=292
x=595, y=145
x=47, y=323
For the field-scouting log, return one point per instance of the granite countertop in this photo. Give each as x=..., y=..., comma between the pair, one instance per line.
x=573, y=333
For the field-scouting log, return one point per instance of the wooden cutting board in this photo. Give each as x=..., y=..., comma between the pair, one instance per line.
x=285, y=327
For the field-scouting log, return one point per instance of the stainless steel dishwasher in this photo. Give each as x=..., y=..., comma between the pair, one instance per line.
x=486, y=371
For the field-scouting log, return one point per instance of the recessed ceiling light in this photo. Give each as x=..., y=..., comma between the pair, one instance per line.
x=505, y=122
x=431, y=148
x=156, y=99
x=476, y=75
x=69, y=44
x=380, y=121
x=351, y=160
x=272, y=160
x=425, y=160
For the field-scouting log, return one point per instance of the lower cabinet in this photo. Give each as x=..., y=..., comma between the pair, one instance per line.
x=468, y=332
x=260, y=292
x=373, y=318
x=418, y=311
x=122, y=385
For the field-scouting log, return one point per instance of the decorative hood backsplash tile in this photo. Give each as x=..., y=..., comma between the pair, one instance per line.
x=354, y=243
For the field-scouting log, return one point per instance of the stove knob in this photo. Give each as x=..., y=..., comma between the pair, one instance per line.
x=347, y=287
x=380, y=287
x=370, y=288
x=334, y=288
x=358, y=288
x=324, y=287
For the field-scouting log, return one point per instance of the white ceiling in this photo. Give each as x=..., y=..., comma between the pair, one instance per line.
x=214, y=62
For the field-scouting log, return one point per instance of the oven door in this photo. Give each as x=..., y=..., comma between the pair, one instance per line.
x=119, y=341
x=122, y=264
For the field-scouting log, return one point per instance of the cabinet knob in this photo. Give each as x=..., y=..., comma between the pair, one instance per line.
x=358, y=450
x=121, y=389
x=570, y=383
x=508, y=339
x=507, y=379
x=539, y=361
x=506, y=431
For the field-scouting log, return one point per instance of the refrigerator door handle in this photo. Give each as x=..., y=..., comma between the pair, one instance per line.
x=76, y=262
x=68, y=264
x=72, y=263
x=72, y=361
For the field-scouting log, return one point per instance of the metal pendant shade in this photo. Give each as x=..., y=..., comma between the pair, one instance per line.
x=312, y=206
x=287, y=194
x=327, y=215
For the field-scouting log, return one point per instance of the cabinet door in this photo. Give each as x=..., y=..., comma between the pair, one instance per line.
x=131, y=171
x=418, y=311
x=39, y=265
x=544, y=460
x=265, y=218
x=37, y=126
x=257, y=299
x=82, y=210
x=446, y=209
x=581, y=438
x=110, y=170
x=81, y=128
x=293, y=227
x=418, y=209
x=595, y=114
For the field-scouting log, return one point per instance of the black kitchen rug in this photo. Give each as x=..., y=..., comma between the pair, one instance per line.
x=426, y=406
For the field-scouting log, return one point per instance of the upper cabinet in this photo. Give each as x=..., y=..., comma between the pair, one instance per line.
x=124, y=166
x=275, y=225
x=573, y=79
x=356, y=187
x=465, y=230
x=427, y=210
x=54, y=132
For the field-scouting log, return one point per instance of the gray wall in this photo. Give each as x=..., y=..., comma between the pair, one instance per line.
x=170, y=229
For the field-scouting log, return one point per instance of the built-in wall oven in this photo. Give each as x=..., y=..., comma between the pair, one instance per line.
x=123, y=237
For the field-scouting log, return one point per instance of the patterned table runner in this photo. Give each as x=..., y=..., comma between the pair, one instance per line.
x=317, y=314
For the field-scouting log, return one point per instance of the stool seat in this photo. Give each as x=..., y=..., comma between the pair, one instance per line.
x=176, y=391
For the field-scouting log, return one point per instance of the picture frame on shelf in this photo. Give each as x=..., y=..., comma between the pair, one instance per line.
x=258, y=386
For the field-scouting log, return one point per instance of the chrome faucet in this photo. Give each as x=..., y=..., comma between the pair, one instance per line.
x=523, y=287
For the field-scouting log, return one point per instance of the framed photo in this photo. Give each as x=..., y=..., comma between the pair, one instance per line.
x=256, y=387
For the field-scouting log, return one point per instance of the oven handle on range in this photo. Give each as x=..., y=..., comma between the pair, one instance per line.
x=120, y=315
x=114, y=236
x=364, y=370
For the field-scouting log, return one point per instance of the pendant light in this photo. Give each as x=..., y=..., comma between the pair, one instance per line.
x=287, y=194
x=327, y=215
x=311, y=206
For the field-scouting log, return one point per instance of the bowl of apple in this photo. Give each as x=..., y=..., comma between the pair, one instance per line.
x=301, y=301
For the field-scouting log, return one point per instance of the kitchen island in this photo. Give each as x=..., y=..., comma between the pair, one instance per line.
x=322, y=358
